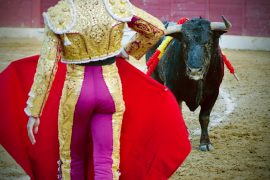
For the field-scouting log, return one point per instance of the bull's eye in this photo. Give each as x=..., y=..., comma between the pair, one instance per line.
x=184, y=45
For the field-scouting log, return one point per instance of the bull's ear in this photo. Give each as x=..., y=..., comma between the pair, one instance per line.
x=218, y=33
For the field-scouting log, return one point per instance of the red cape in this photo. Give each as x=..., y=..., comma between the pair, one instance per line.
x=154, y=138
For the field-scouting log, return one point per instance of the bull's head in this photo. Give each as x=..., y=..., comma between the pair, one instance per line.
x=197, y=37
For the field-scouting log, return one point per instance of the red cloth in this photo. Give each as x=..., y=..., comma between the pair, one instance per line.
x=154, y=139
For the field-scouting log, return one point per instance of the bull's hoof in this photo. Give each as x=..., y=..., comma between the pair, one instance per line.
x=206, y=147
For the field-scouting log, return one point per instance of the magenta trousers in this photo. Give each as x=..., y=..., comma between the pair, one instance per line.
x=93, y=119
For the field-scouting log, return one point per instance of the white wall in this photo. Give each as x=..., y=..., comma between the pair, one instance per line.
x=245, y=42
x=22, y=33
x=226, y=41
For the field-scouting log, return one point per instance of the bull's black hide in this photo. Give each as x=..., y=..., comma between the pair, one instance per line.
x=192, y=67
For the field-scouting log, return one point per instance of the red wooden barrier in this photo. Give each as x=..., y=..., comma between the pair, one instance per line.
x=249, y=17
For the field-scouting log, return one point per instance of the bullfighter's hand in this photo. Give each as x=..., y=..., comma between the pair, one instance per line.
x=32, y=128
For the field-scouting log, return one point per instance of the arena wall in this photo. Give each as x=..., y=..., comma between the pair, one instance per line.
x=250, y=18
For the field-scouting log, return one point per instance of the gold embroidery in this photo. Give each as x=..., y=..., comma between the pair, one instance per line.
x=115, y=40
x=45, y=72
x=70, y=95
x=76, y=50
x=155, y=22
x=96, y=35
x=149, y=31
x=95, y=25
x=113, y=82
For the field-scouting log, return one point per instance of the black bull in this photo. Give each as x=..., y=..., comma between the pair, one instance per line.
x=192, y=67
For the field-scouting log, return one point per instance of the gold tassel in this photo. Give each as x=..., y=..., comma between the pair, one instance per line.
x=66, y=41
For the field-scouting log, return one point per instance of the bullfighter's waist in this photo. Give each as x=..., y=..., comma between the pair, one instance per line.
x=108, y=61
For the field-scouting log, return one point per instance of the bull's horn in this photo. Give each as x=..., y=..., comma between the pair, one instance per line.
x=173, y=29
x=221, y=26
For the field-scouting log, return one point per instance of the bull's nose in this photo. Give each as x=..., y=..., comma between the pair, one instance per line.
x=195, y=73
x=194, y=70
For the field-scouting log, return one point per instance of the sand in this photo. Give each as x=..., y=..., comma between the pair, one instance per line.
x=240, y=120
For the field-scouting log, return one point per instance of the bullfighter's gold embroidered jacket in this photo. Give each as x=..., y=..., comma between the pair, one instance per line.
x=82, y=31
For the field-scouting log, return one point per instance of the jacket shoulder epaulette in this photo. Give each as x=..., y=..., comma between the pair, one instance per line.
x=120, y=10
x=61, y=17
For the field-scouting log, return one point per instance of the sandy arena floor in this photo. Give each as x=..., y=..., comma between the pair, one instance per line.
x=240, y=120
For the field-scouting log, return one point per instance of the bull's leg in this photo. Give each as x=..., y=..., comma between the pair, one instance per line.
x=205, y=144
x=204, y=118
